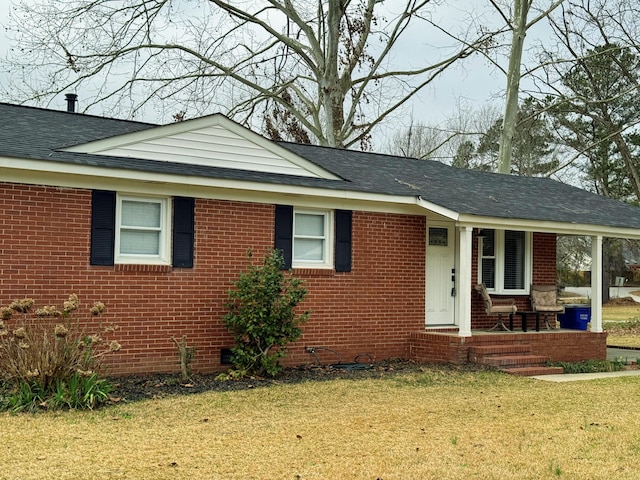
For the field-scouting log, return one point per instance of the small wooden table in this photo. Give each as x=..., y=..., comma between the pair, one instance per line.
x=524, y=314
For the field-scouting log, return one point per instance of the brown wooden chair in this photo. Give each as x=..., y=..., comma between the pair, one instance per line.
x=497, y=306
x=544, y=300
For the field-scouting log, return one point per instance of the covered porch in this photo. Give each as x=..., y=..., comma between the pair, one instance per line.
x=467, y=266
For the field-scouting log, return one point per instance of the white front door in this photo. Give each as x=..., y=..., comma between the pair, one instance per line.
x=440, y=273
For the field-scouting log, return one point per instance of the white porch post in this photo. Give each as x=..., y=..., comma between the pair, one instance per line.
x=596, y=283
x=464, y=283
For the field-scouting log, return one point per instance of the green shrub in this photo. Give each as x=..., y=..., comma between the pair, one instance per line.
x=262, y=316
x=590, y=366
x=48, y=361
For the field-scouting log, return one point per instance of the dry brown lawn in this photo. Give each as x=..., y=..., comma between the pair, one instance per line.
x=424, y=425
x=619, y=318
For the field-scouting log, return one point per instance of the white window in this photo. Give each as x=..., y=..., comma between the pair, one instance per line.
x=142, y=230
x=504, y=263
x=312, y=236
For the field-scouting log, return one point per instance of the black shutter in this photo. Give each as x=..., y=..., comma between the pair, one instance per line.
x=343, y=240
x=183, y=232
x=284, y=233
x=103, y=227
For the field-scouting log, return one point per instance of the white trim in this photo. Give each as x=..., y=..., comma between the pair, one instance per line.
x=596, y=284
x=463, y=277
x=499, y=257
x=549, y=227
x=40, y=172
x=432, y=207
x=164, y=255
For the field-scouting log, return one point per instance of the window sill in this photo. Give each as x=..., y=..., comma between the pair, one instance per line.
x=314, y=272
x=140, y=268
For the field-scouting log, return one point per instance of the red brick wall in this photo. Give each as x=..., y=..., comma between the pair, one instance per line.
x=556, y=346
x=372, y=308
x=544, y=272
x=44, y=254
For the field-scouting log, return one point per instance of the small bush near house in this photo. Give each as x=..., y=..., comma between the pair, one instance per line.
x=47, y=361
x=262, y=316
x=589, y=366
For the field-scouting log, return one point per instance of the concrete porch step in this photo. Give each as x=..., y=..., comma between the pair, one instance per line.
x=533, y=371
x=513, y=361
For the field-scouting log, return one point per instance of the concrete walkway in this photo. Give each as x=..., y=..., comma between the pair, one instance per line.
x=572, y=377
x=612, y=354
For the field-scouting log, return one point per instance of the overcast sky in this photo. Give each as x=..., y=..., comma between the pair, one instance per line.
x=474, y=84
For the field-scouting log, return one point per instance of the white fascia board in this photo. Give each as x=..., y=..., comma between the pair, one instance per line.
x=560, y=228
x=215, y=120
x=437, y=209
x=67, y=175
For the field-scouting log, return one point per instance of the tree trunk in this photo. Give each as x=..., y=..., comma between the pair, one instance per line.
x=513, y=85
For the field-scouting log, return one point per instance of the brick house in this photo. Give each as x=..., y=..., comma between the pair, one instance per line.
x=156, y=222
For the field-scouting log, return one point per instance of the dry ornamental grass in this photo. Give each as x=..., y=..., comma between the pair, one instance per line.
x=424, y=424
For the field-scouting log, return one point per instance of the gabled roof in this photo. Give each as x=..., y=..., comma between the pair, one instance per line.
x=94, y=142
x=213, y=141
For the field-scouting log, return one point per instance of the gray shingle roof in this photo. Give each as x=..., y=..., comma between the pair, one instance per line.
x=473, y=192
x=27, y=132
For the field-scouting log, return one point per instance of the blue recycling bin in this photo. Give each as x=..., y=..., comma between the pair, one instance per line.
x=575, y=317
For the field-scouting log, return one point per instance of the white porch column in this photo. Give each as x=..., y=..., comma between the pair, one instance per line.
x=463, y=275
x=596, y=283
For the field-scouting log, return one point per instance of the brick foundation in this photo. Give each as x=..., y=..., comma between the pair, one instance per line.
x=565, y=346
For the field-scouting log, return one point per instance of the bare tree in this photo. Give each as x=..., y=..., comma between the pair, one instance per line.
x=451, y=141
x=519, y=24
x=592, y=81
x=330, y=64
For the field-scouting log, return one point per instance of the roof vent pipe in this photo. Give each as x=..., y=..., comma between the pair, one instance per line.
x=72, y=99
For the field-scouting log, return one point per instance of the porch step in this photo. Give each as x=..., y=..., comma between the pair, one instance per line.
x=512, y=358
x=515, y=361
x=479, y=352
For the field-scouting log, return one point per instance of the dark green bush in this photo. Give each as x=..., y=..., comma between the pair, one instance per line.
x=589, y=366
x=262, y=316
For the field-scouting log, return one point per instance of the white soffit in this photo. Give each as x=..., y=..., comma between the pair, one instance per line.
x=213, y=141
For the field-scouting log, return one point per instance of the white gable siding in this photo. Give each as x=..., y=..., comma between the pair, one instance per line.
x=211, y=146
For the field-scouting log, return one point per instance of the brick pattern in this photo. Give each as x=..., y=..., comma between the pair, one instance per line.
x=44, y=254
x=555, y=346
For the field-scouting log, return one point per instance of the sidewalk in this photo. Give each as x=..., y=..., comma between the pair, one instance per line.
x=572, y=377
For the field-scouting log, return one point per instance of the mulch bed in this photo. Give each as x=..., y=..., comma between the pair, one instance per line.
x=135, y=388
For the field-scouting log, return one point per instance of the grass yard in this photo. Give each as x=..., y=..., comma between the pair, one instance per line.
x=621, y=319
x=428, y=424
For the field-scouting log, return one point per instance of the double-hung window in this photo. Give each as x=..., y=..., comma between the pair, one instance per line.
x=505, y=261
x=133, y=229
x=312, y=239
x=142, y=230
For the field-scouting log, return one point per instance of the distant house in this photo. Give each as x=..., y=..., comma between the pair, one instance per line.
x=156, y=221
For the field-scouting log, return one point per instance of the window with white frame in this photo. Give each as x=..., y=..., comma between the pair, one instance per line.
x=142, y=230
x=504, y=264
x=312, y=239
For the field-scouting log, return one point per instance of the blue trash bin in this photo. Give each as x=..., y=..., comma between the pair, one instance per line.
x=575, y=317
